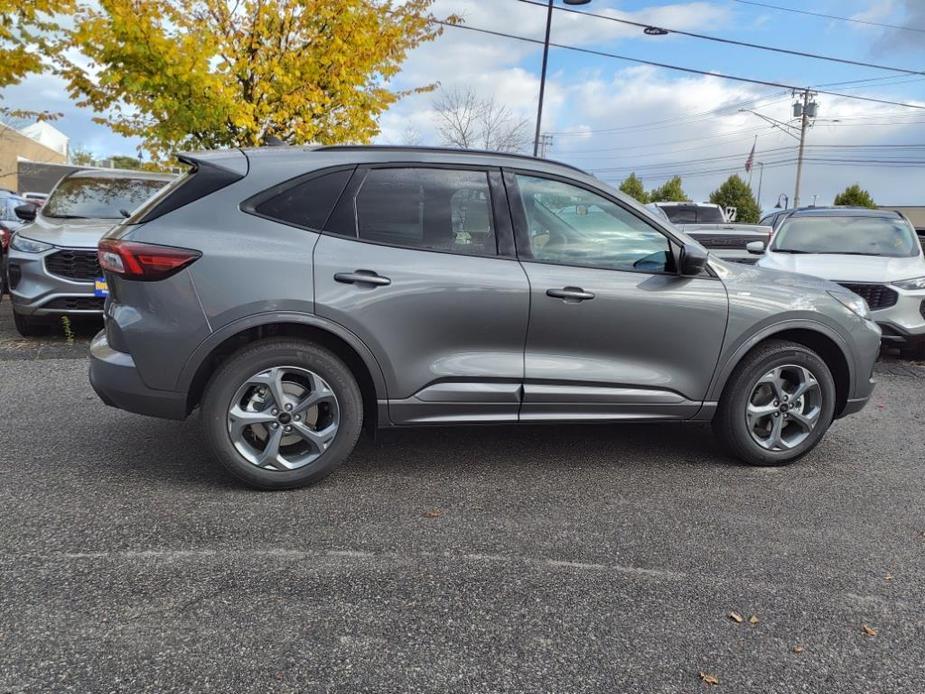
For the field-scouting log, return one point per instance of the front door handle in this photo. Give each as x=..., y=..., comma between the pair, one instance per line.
x=362, y=277
x=570, y=294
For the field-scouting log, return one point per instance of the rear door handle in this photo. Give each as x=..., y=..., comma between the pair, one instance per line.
x=570, y=294
x=362, y=277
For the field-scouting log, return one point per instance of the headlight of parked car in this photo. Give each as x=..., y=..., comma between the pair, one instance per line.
x=853, y=302
x=914, y=283
x=26, y=245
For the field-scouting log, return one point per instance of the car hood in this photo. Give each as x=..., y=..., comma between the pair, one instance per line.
x=846, y=268
x=67, y=233
x=740, y=274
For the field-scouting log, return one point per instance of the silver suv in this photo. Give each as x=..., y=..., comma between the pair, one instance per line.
x=295, y=295
x=52, y=267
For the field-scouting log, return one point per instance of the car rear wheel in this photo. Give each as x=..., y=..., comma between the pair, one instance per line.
x=29, y=326
x=281, y=414
x=777, y=404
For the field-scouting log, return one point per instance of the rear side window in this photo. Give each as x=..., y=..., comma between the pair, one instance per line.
x=433, y=209
x=307, y=204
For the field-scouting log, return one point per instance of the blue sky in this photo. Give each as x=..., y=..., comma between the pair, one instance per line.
x=649, y=117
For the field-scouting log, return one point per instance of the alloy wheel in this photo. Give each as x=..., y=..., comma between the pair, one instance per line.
x=784, y=407
x=283, y=418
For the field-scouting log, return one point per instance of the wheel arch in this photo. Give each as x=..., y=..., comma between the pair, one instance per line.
x=827, y=343
x=334, y=337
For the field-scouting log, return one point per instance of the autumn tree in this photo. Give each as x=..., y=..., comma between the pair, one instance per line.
x=855, y=196
x=26, y=30
x=468, y=121
x=632, y=186
x=209, y=73
x=734, y=192
x=669, y=191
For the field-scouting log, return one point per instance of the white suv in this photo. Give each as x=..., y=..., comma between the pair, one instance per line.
x=874, y=253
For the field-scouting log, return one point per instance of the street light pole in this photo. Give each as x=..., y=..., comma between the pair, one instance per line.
x=760, y=181
x=539, y=108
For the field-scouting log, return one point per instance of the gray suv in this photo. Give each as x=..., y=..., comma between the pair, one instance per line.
x=295, y=295
x=52, y=266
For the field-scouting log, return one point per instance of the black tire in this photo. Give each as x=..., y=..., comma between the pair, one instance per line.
x=266, y=354
x=28, y=326
x=729, y=423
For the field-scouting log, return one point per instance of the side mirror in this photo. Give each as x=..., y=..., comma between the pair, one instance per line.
x=755, y=247
x=25, y=212
x=693, y=260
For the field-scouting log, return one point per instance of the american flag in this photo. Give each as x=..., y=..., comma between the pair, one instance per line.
x=750, y=162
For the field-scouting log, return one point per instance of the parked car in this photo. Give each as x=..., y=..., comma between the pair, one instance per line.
x=294, y=294
x=726, y=239
x=874, y=253
x=9, y=223
x=38, y=198
x=52, y=266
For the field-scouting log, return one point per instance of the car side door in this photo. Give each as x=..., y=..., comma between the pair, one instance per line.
x=418, y=261
x=615, y=332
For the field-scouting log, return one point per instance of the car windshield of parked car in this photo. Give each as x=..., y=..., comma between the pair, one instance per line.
x=693, y=214
x=845, y=235
x=99, y=198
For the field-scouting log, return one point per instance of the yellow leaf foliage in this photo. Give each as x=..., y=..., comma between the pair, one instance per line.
x=196, y=74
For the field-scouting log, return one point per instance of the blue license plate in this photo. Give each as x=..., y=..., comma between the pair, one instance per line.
x=100, y=288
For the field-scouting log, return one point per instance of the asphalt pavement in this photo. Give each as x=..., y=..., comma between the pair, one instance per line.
x=536, y=559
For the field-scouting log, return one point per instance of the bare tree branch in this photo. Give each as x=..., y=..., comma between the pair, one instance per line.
x=468, y=121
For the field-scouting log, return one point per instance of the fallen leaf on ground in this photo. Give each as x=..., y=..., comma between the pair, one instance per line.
x=870, y=631
x=708, y=678
x=889, y=577
x=798, y=648
x=433, y=513
x=753, y=619
x=735, y=617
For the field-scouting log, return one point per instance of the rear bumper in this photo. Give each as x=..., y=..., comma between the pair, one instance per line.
x=116, y=381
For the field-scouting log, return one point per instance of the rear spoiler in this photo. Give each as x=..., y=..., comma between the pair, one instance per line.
x=209, y=172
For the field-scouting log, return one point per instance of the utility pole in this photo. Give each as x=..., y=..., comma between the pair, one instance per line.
x=545, y=144
x=539, y=108
x=804, y=113
x=760, y=181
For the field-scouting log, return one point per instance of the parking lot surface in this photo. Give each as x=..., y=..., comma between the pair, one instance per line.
x=541, y=558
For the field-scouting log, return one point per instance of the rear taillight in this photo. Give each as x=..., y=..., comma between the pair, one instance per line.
x=143, y=261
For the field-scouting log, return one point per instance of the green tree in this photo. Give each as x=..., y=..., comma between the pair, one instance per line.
x=211, y=73
x=81, y=157
x=734, y=192
x=121, y=161
x=632, y=186
x=669, y=191
x=855, y=196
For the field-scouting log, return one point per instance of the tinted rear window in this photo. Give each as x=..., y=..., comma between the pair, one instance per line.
x=693, y=214
x=99, y=198
x=307, y=204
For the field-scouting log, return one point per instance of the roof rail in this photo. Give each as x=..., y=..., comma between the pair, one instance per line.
x=442, y=150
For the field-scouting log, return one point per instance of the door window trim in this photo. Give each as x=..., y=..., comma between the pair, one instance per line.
x=521, y=226
x=499, y=208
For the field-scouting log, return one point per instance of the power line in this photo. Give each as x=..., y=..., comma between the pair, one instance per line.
x=731, y=42
x=668, y=66
x=829, y=16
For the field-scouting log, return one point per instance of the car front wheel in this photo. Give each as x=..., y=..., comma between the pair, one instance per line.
x=777, y=404
x=281, y=414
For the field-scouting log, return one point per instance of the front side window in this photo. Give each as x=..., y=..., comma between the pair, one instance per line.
x=846, y=235
x=573, y=226
x=99, y=198
x=432, y=209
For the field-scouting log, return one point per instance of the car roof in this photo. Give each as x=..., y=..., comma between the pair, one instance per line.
x=386, y=153
x=120, y=174
x=843, y=212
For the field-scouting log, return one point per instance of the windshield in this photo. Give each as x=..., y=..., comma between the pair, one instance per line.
x=883, y=236
x=694, y=214
x=99, y=198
